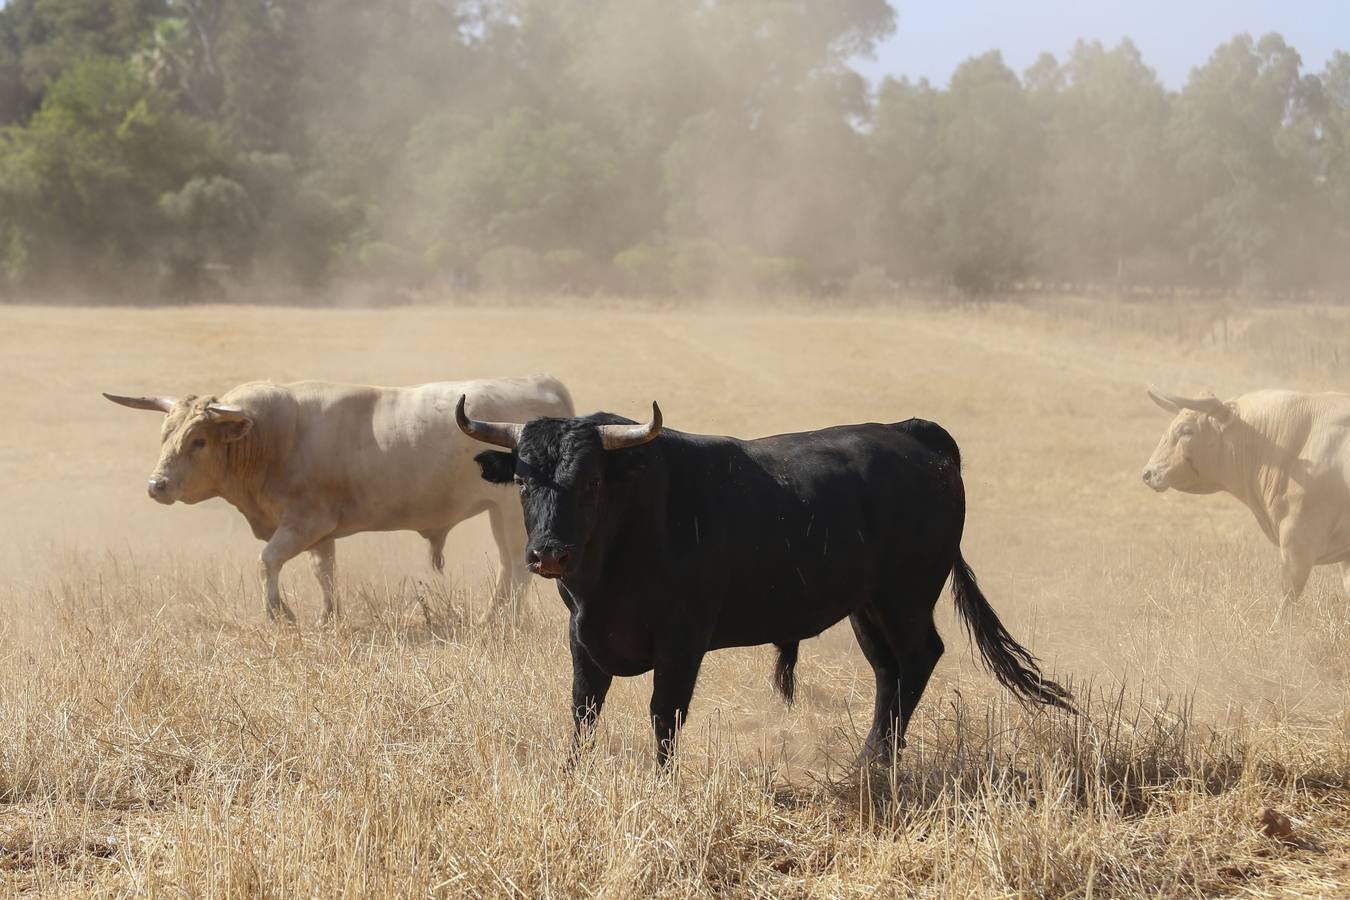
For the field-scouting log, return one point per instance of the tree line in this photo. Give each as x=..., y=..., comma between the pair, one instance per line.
x=182, y=148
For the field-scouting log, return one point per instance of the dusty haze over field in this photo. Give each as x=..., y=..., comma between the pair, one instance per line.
x=138, y=661
x=1054, y=428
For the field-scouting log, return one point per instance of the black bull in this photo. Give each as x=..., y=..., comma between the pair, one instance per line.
x=667, y=545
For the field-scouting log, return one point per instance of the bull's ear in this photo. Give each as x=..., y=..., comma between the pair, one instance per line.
x=498, y=467
x=232, y=423
x=234, y=429
x=1224, y=413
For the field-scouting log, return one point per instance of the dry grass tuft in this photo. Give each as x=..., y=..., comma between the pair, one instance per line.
x=149, y=752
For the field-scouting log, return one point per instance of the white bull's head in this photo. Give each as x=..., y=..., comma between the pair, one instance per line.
x=1188, y=456
x=193, y=444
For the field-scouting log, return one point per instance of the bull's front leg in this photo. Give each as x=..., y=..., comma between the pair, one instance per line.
x=672, y=689
x=293, y=537
x=590, y=686
x=1295, y=566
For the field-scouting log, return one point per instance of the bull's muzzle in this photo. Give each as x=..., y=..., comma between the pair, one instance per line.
x=1154, y=480
x=158, y=488
x=550, y=562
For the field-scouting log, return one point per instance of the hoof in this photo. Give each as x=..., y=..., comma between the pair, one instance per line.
x=282, y=615
x=880, y=758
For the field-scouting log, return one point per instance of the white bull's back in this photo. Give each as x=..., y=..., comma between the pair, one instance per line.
x=392, y=458
x=1301, y=469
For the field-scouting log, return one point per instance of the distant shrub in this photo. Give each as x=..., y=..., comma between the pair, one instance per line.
x=643, y=270
x=379, y=260
x=701, y=268
x=510, y=269
x=14, y=258
x=779, y=275
x=870, y=282
x=569, y=272
x=213, y=227
x=696, y=267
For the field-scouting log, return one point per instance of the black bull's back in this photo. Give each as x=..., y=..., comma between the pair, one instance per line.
x=775, y=540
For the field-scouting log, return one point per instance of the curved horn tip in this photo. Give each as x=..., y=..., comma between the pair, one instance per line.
x=462, y=417
x=1163, y=399
x=619, y=437
x=153, y=404
x=502, y=434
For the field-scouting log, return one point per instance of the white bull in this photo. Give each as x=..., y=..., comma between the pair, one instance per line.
x=310, y=462
x=1286, y=455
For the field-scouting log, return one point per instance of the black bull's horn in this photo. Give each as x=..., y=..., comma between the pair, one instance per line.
x=507, y=434
x=502, y=434
x=616, y=437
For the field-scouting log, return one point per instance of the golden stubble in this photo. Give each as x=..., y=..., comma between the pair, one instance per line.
x=161, y=738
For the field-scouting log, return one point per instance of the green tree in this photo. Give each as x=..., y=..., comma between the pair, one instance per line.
x=81, y=183
x=41, y=39
x=1107, y=198
x=521, y=181
x=990, y=152
x=1243, y=187
x=1333, y=176
x=213, y=221
x=904, y=220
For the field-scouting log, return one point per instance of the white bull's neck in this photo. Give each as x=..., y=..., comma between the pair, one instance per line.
x=244, y=482
x=1254, y=461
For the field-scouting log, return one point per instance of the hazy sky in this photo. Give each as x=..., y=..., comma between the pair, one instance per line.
x=933, y=36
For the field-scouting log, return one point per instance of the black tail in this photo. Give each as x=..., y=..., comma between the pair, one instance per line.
x=1012, y=664
x=783, y=677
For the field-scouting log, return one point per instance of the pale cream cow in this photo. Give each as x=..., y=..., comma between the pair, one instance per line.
x=1285, y=455
x=310, y=462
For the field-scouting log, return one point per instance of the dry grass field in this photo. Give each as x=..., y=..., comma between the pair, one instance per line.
x=161, y=738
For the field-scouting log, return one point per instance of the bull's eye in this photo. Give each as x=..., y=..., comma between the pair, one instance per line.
x=198, y=443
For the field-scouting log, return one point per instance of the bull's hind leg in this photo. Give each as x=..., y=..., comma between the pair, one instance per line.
x=886, y=669
x=907, y=621
x=323, y=559
x=917, y=662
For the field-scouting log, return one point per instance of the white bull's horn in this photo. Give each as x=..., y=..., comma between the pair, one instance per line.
x=154, y=404
x=1163, y=400
x=1173, y=403
x=503, y=434
x=225, y=412
x=617, y=437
